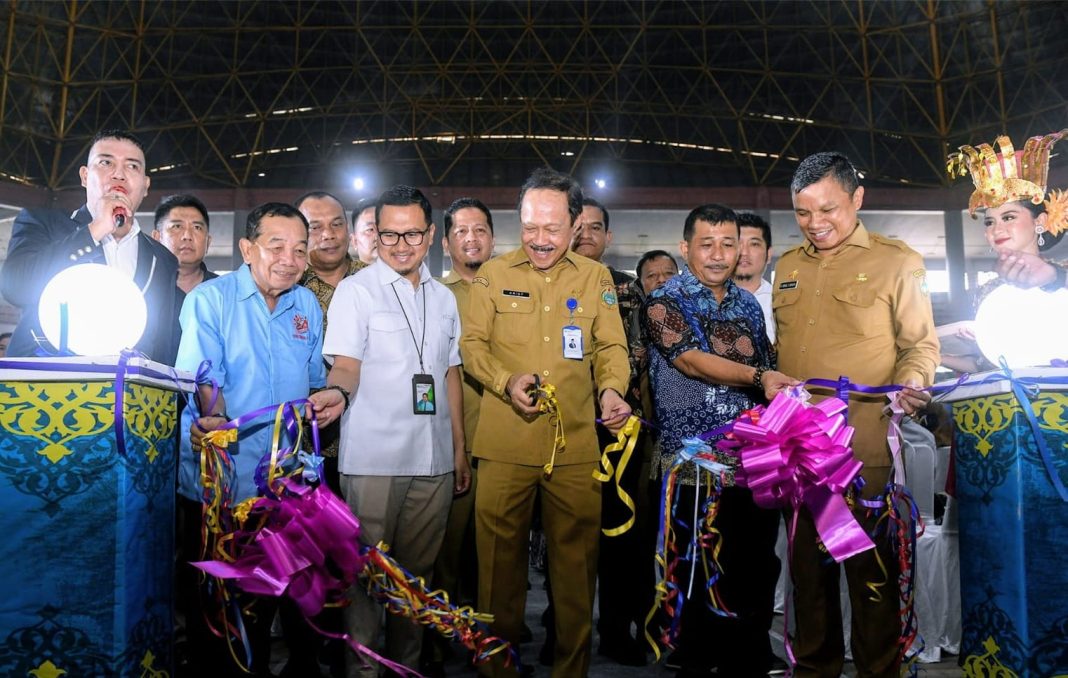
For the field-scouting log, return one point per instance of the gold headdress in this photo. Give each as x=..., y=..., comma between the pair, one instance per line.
x=1007, y=176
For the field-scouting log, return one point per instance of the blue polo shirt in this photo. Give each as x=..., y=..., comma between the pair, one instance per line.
x=258, y=358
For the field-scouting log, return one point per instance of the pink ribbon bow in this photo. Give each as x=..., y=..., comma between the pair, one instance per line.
x=794, y=454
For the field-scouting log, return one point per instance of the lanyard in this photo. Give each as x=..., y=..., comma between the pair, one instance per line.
x=419, y=344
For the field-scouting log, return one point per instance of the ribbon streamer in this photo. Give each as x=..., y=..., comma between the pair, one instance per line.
x=545, y=395
x=625, y=441
x=302, y=541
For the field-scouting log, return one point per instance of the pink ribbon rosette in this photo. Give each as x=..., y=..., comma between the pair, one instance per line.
x=794, y=454
x=305, y=531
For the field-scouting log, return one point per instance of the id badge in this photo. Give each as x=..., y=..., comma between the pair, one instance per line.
x=423, y=395
x=573, y=342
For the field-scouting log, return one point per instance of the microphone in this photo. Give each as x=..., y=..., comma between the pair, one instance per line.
x=120, y=217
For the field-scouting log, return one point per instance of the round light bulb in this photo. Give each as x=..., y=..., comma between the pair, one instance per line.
x=1026, y=326
x=105, y=310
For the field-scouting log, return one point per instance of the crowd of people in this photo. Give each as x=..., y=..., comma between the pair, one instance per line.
x=431, y=396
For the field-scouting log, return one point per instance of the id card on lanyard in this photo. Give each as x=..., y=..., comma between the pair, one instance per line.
x=572, y=334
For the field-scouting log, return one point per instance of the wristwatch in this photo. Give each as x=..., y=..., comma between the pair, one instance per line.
x=1059, y=280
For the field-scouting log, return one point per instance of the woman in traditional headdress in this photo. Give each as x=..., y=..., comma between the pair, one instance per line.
x=1020, y=220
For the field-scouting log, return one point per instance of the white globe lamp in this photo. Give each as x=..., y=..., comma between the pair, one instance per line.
x=92, y=309
x=1028, y=327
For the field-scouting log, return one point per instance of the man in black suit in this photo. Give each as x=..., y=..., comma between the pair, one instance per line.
x=104, y=231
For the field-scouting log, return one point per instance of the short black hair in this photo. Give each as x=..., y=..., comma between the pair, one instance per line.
x=271, y=209
x=402, y=195
x=5, y=335
x=318, y=195
x=750, y=220
x=180, y=200
x=363, y=204
x=819, y=165
x=712, y=213
x=650, y=256
x=464, y=203
x=116, y=133
x=546, y=177
x=594, y=202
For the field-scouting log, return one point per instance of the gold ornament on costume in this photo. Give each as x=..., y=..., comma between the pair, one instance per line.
x=1009, y=176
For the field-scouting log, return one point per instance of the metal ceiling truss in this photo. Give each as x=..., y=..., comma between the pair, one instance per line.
x=665, y=93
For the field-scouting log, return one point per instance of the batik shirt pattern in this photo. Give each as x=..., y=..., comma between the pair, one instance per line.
x=683, y=315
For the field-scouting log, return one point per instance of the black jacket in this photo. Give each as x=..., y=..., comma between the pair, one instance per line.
x=47, y=241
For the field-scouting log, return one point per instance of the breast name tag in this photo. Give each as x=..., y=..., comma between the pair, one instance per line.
x=573, y=342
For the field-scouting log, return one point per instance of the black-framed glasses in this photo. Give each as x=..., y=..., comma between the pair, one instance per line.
x=391, y=238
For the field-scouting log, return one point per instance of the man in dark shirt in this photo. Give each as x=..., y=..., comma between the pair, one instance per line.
x=182, y=225
x=709, y=361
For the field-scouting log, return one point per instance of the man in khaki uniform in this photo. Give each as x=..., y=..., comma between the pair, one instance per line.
x=543, y=313
x=849, y=302
x=469, y=242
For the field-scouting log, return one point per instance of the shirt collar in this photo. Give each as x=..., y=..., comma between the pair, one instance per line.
x=453, y=278
x=858, y=238
x=310, y=274
x=689, y=279
x=520, y=257
x=387, y=276
x=131, y=234
x=246, y=288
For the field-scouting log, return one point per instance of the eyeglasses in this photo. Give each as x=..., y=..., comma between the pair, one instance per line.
x=391, y=238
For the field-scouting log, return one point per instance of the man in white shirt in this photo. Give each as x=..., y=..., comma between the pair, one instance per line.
x=754, y=253
x=393, y=334
x=104, y=231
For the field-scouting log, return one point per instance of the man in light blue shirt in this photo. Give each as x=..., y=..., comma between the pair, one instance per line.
x=263, y=336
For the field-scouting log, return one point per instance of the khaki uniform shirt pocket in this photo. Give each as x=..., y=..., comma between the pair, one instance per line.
x=515, y=322
x=785, y=306
x=857, y=311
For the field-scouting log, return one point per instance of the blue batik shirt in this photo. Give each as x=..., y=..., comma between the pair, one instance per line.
x=683, y=315
x=258, y=358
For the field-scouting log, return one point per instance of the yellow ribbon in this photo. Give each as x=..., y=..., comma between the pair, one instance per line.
x=548, y=404
x=625, y=440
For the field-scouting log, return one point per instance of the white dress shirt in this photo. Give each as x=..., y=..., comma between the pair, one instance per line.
x=763, y=297
x=380, y=433
x=122, y=254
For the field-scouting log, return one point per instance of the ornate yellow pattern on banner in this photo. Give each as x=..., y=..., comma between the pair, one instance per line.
x=149, y=672
x=56, y=413
x=1051, y=410
x=987, y=665
x=47, y=670
x=151, y=415
x=983, y=417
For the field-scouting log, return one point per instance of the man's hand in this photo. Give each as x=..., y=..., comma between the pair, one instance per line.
x=328, y=405
x=516, y=388
x=614, y=411
x=104, y=209
x=1024, y=269
x=913, y=400
x=201, y=426
x=462, y=473
x=774, y=381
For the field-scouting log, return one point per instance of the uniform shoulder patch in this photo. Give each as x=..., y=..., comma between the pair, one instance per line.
x=479, y=280
x=608, y=297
